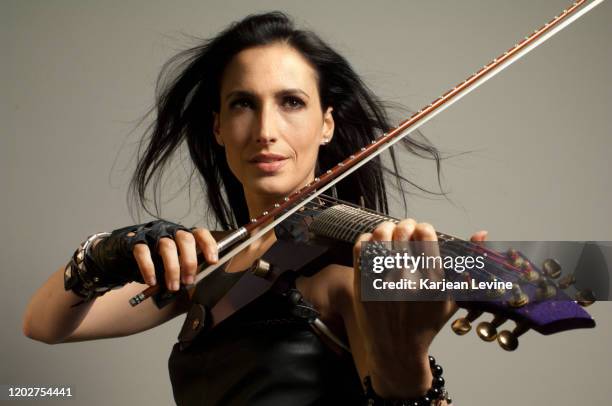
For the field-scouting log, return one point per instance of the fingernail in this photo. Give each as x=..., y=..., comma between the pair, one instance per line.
x=175, y=285
x=214, y=256
x=152, y=281
x=189, y=279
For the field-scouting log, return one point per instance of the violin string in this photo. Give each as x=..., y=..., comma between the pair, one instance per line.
x=497, y=258
x=500, y=263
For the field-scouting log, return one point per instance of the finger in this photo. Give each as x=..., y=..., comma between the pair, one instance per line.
x=424, y=232
x=365, y=237
x=383, y=232
x=356, y=255
x=426, y=235
x=142, y=255
x=479, y=236
x=167, y=250
x=207, y=244
x=188, y=259
x=404, y=229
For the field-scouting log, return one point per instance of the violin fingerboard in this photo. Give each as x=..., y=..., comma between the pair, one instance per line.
x=346, y=223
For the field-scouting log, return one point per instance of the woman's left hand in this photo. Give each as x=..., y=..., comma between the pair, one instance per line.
x=396, y=335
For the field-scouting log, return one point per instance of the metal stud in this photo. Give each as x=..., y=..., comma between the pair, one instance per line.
x=261, y=268
x=194, y=324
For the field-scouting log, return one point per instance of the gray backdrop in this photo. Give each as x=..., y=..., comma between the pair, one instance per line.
x=77, y=75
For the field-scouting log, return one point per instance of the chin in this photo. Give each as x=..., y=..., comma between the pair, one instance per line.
x=279, y=186
x=272, y=185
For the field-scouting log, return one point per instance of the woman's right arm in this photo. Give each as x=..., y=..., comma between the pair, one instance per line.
x=50, y=318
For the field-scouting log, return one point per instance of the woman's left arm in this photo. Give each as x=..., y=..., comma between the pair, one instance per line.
x=390, y=340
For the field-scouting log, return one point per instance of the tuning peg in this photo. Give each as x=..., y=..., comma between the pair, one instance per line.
x=512, y=253
x=515, y=258
x=545, y=290
x=585, y=297
x=463, y=325
x=508, y=340
x=551, y=268
x=518, y=262
x=529, y=274
x=519, y=298
x=493, y=293
x=487, y=331
x=567, y=281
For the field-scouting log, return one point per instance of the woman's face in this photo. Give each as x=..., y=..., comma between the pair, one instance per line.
x=270, y=120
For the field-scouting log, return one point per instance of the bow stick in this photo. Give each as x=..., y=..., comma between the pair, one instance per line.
x=242, y=237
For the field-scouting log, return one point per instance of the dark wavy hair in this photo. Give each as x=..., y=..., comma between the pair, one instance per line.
x=188, y=92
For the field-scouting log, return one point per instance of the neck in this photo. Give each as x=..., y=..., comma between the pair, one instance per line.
x=257, y=203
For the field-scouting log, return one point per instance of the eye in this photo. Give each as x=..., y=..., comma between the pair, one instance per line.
x=241, y=103
x=293, y=102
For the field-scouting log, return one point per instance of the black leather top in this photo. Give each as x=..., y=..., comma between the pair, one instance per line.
x=262, y=355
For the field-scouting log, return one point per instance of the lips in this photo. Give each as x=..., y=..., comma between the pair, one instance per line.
x=268, y=162
x=267, y=157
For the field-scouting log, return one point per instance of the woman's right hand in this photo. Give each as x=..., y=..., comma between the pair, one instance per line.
x=178, y=255
x=147, y=253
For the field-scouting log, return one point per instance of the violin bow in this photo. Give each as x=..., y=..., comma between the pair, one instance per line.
x=238, y=239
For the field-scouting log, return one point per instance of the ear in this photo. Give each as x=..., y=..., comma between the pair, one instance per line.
x=216, y=126
x=328, y=126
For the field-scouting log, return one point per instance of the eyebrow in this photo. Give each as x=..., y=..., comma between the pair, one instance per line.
x=284, y=92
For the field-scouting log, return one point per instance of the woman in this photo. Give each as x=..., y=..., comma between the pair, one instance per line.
x=263, y=108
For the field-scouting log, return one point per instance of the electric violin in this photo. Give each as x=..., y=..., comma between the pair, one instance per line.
x=537, y=299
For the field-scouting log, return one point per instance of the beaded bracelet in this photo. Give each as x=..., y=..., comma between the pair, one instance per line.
x=434, y=395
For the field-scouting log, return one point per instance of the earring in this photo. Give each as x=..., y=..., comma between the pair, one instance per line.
x=325, y=141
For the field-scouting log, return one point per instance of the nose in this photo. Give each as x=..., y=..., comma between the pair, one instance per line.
x=264, y=131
